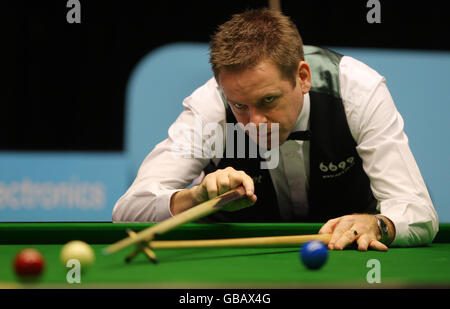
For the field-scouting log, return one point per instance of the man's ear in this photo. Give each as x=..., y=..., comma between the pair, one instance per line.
x=304, y=74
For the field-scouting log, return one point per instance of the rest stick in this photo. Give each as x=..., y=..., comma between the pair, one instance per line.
x=141, y=247
x=272, y=241
x=189, y=215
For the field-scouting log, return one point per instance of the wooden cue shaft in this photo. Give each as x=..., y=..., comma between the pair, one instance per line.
x=189, y=215
x=273, y=241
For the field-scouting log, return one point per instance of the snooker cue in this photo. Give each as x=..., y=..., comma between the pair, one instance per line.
x=194, y=213
x=261, y=242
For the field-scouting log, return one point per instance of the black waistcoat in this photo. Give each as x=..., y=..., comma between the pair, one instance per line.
x=338, y=184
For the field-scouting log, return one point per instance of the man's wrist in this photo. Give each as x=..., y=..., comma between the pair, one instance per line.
x=182, y=200
x=387, y=229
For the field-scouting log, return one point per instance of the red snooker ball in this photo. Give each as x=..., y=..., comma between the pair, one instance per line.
x=29, y=263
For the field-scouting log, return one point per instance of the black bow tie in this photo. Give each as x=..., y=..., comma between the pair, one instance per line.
x=300, y=136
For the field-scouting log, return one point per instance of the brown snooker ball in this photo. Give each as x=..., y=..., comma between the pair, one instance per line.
x=29, y=263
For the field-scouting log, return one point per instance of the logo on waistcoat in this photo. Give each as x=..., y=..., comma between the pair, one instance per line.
x=335, y=170
x=257, y=179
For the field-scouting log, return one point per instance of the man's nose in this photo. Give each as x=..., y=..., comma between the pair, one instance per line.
x=257, y=117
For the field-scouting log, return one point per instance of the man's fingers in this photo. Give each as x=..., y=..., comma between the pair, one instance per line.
x=340, y=229
x=235, y=180
x=238, y=178
x=348, y=237
x=376, y=245
x=249, y=186
x=363, y=242
x=241, y=178
x=211, y=187
x=328, y=227
x=223, y=183
x=358, y=228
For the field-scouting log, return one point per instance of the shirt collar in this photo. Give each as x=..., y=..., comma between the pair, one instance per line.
x=302, y=123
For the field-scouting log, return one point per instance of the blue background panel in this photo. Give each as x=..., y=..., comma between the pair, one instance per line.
x=60, y=186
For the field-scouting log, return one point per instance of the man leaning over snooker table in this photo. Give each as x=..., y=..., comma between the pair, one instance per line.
x=348, y=163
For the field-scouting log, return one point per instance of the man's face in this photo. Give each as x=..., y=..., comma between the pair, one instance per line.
x=262, y=96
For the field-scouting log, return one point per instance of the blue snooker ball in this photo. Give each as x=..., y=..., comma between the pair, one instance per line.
x=314, y=254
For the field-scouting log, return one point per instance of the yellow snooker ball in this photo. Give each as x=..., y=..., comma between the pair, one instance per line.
x=79, y=250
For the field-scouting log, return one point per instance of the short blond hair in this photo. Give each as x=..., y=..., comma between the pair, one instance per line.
x=249, y=37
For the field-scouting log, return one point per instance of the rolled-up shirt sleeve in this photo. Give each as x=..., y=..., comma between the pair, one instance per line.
x=395, y=178
x=173, y=164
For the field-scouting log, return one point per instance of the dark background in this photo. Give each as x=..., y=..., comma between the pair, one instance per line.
x=63, y=85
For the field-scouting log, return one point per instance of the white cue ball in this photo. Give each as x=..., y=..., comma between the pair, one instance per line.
x=79, y=250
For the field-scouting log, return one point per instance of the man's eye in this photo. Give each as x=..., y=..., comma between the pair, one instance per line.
x=239, y=106
x=269, y=99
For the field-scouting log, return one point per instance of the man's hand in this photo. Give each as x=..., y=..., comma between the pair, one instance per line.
x=360, y=228
x=215, y=184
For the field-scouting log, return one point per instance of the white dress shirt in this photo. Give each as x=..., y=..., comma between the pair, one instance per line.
x=374, y=123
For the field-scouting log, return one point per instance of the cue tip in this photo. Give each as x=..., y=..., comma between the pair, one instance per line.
x=129, y=231
x=105, y=251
